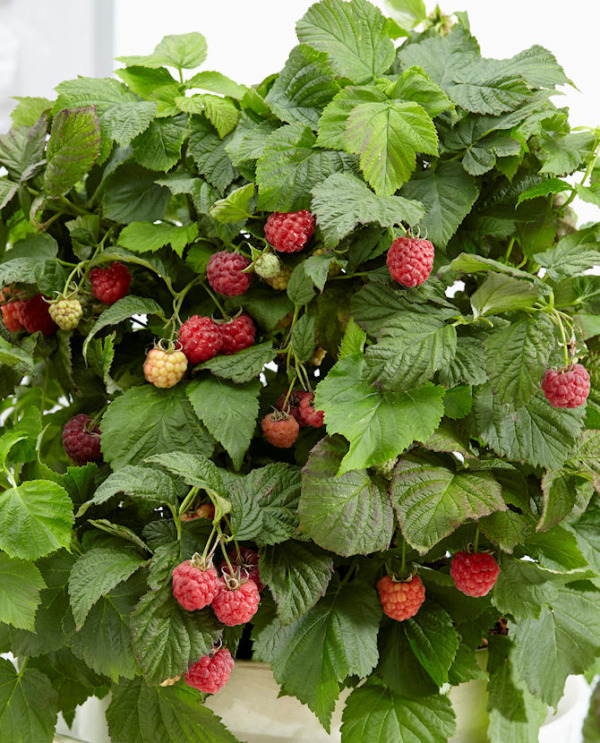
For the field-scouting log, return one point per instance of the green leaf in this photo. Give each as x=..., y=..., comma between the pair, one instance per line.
x=573, y=255
x=28, y=704
x=354, y=36
x=159, y=146
x=375, y=713
x=131, y=195
x=434, y=640
x=517, y=357
x=216, y=82
x=73, y=148
x=154, y=85
x=210, y=154
x=290, y=167
x=20, y=586
x=500, y=293
x=235, y=207
x=29, y=109
x=379, y=425
x=300, y=288
x=221, y=113
x=35, y=519
x=332, y=124
x=388, y=136
x=7, y=190
x=148, y=237
x=146, y=421
x=348, y=514
x=22, y=150
x=15, y=357
x=304, y=338
x=197, y=471
x=398, y=665
x=471, y=263
x=229, y=412
x=458, y=402
x=415, y=85
x=432, y=500
x=151, y=486
x=487, y=87
x=353, y=341
x=549, y=186
x=124, y=121
x=565, y=154
x=242, y=366
x=447, y=194
x=183, y=51
x=297, y=575
x=342, y=201
x=82, y=92
x=96, y=573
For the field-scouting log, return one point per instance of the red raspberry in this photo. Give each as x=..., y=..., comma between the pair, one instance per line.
x=308, y=413
x=211, y=672
x=164, y=369
x=401, y=599
x=81, y=439
x=237, y=334
x=293, y=405
x=200, y=339
x=246, y=560
x=110, y=284
x=280, y=429
x=474, y=575
x=195, y=584
x=290, y=231
x=568, y=388
x=10, y=312
x=34, y=315
x=225, y=273
x=410, y=260
x=236, y=603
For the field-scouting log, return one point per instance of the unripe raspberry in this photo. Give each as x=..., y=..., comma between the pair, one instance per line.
x=289, y=232
x=267, y=266
x=410, y=260
x=293, y=406
x=164, y=369
x=475, y=575
x=308, y=413
x=225, y=273
x=195, y=584
x=34, y=315
x=281, y=281
x=317, y=358
x=204, y=511
x=237, y=334
x=568, y=388
x=237, y=601
x=211, y=672
x=81, y=439
x=10, y=312
x=386, y=469
x=280, y=429
x=200, y=339
x=66, y=313
x=401, y=599
x=246, y=561
x=110, y=284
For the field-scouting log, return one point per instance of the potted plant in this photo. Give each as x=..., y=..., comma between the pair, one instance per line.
x=305, y=373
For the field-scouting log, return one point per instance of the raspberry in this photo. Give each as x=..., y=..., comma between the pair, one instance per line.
x=293, y=406
x=289, y=232
x=205, y=511
x=66, y=313
x=81, y=439
x=10, y=312
x=236, y=603
x=280, y=429
x=401, y=599
x=267, y=266
x=225, y=273
x=164, y=368
x=410, y=260
x=308, y=413
x=110, y=284
x=195, y=584
x=211, y=672
x=317, y=358
x=282, y=279
x=474, y=575
x=246, y=560
x=200, y=339
x=568, y=388
x=34, y=316
x=237, y=334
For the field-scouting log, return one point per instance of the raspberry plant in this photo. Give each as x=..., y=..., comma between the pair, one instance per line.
x=403, y=424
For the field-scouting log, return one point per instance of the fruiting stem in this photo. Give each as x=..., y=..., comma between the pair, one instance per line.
x=187, y=500
x=208, y=541
x=70, y=278
x=289, y=392
x=476, y=540
x=509, y=249
x=403, y=563
x=226, y=556
x=215, y=300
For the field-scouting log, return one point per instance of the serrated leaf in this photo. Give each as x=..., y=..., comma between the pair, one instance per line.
x=20, y=586
x=132, y=195
x=29, y=109
x=235, y=207
x=73, y=147
x=242, y=366
x=398, y=665
x=28, y=704
x=549, y=186
x=121, y=310
x=487, y=87
x=565, y=154
x=415, y=85
x=500, y=293
x=303, y=338
x=210, y=154
x=434, y=640
x=124, y=121
x=353, y=341
x=148, y=237
x=216, y=82
x=332, y=123
x=300, y=288
x=158, y=147
x=183, y=51
x=22, y=150
x=195, y=470
x=573, y=255
x=7, y=190
x=221, y=112
x=154, y=85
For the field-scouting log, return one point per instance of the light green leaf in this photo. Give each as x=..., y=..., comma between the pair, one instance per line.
x=73, y=148
x=500, y=293
x=124, y=121
x=221, y=112
x=434, y=640
x=573, y=255
x=148, y=237
x=415, y=85
x=332, y=124
x=408, y=13
x=28, y=704
x=15, y=357
x=216, y=82
x=154, y=85
x=242, y=366
x=235, y=207
x=22, y=150
x=565, y=154
x=300, y=288
x=195, y=470
x=183, y=51
x=486, y=87
x=353, y=341
x=152, y=486
x=549, y=186
x=28, y=109
x=159, y=146
x=20, y=586
x=471, y=263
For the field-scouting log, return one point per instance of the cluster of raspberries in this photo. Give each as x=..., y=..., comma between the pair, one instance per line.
x=282, y=427
x=201, y=338
x=32, y=315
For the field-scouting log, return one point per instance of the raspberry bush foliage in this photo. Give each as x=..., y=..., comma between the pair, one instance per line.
x=300, y=409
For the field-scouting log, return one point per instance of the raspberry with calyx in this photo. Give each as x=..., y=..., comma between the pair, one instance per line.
x=237, y=601
x=34, y=315
x=290, y=231
x=410, y=260
x=66, y=312
x=246, y=560
x=110, y=284
x=164, y=366
x=211, y=672
x=401, y=599
x=281, y=281
x=309, y=415
x=225, y=272
x=474, y=574
x=81, y=439
x=200, y=339
x=280, y=429
x=293, y=406
x=195, y=583
x=237, y=334
x=567, y=388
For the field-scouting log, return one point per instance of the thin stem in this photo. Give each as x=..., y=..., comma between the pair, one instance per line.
x=208, y=541
x=215, y=300
x=187, y=500
x=227, y=560
x=509, y=249
x=403, y=563
x=476, y=540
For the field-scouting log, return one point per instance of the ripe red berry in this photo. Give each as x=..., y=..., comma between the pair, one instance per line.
x=237, y=334
x=474, y=575
x=289, y=232
x=293, y=405
x=110, y=284
x=211, y=672
x=200, y=339
x=164, y=369
x=401, y=599
x=568, y=388
x=195, y=584
x=237, y=602
x=81, y=439
x=34, y=315
x=225, y=273
x=308, y=413
x=10, y=312
x=246, y=561
x=410, y=260
x=280, y=429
